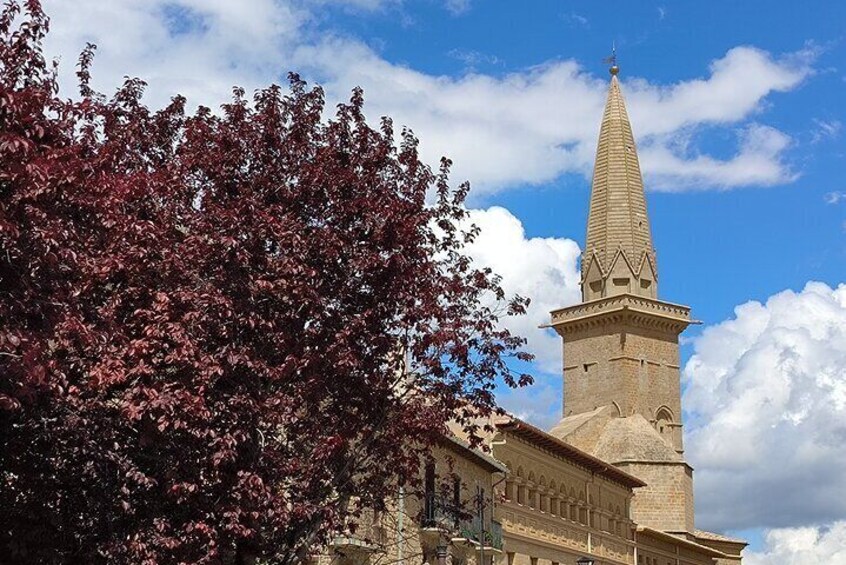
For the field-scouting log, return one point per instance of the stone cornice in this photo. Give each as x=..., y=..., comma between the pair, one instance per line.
x=655, y=463
x=623, y=308
x=682, y=542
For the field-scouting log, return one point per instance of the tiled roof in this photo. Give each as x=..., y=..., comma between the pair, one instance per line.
x=617, y=217
x=531, y=434
x=702, y=534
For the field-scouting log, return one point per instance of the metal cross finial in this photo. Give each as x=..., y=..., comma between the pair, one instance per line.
x=612, y=59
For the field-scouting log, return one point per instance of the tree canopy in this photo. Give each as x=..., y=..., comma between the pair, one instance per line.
x=217, y=326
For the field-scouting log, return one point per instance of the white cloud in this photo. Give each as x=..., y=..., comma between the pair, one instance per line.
x=543, y=269
x=766, y=395
x=802, y=546
x=526, y=127
x=736, y=87
x=826, y=129
x=472, y=59
x=759, y=160
x=199, y=48
x=369, y=5
x=575, y=19
x=457, y=7
x=834, y=197
x=533, y=125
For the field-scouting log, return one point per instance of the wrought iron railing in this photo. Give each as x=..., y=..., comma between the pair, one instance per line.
x=438, y=513
x=490, y=537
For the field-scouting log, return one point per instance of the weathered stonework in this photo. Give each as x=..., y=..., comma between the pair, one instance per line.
x=622, y=392
x=618, y=256
x=406, y=532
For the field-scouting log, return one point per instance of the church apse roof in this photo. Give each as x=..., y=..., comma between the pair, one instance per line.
x=633, y=439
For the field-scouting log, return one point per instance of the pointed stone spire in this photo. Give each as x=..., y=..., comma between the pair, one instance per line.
x=618, y=256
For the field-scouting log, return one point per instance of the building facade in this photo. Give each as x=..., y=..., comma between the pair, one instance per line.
x=621, y=369
x=609, y=481
x=448, y=519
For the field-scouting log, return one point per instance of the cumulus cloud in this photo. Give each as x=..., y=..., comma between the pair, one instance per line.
x=531, y=126
x=801, y=546
x=543, y=269
x=766, y=395
x=199, y=48
x=526, y=127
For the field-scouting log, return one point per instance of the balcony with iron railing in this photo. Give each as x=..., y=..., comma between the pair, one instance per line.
x=490, y=537
x=458, y=523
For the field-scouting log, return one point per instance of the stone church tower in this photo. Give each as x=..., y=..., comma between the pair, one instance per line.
x=622, y=395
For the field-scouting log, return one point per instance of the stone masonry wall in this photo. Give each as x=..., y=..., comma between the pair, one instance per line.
x=666, y=503
x=634, y=368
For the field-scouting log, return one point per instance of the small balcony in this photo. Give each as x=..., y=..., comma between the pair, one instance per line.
x=439, y=514
x=455, y=524
x=490, y=537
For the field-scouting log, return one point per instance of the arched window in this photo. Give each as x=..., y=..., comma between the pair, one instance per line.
x=663, y=424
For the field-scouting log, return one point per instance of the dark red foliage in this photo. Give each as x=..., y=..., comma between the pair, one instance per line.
x=202, y=318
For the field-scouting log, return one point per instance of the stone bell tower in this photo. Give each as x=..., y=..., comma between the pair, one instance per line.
x=618, y=256
x=622, y=394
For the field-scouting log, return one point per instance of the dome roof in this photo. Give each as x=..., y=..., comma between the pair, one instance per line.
x=633, y=439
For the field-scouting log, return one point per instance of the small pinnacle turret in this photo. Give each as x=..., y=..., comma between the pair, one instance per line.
x=618, y=256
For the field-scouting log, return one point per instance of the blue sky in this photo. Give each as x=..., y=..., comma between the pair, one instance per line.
x=716, y=249
x=737, y=109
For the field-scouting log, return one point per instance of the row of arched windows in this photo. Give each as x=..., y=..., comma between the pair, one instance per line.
x=566, y=505
x=563, y=502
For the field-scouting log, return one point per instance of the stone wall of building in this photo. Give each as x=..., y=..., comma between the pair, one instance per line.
x=555, y=511
x=666, y=502
x=633, y=368
x=408, y=531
